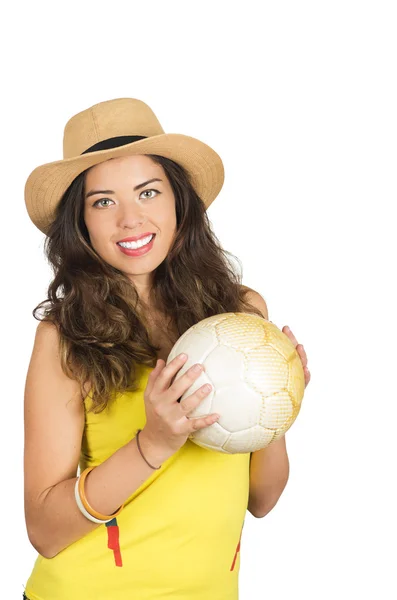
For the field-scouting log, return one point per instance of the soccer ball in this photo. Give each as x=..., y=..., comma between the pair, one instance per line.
x=256, y=376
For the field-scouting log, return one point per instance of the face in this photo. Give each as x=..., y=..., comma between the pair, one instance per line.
x=126, y=205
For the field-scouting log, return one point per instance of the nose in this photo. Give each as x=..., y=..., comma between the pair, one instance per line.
x=131, y=216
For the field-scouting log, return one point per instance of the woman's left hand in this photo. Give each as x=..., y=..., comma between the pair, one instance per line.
x=300, y=350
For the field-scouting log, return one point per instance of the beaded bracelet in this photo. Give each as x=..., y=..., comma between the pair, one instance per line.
x=139, y=448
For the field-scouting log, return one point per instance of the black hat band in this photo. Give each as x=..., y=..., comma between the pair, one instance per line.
x=114, y=142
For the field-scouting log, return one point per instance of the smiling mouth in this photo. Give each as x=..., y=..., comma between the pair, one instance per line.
x=138, y=244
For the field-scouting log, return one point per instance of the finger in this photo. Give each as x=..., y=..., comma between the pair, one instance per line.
x=167, y=372
x=183, y=383
x=192, y=401
x=291, y=336
x=307, y=375
x=153, y=375
x=200, y=422
x=301, y=351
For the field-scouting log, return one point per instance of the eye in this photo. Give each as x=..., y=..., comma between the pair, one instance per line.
x=149, y=197
x=102, y=200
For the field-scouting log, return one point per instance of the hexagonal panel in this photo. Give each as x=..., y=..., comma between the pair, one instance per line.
x=241, y=331
x=239, y=406
x=281, y=342
x=296, y=381
x=266, y=370
x=250, y=440
x=224, y=366
x=211, y=322
x=278, y=410
x=212, y=437
x=197, y=345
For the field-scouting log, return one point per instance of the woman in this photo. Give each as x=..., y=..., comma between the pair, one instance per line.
x=135, y=265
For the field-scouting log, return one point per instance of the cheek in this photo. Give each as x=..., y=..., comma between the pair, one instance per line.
x=172, y=225
x=167, y=221
x=96, y=232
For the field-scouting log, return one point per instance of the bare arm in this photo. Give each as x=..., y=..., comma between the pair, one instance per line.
x=54, y=423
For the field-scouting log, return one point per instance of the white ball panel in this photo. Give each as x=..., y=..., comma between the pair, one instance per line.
x=224, y=365
x=238, y=406
x=249, y=440
x=214, y=448
x=212, y=437
x=197, y=345
x=210, y=322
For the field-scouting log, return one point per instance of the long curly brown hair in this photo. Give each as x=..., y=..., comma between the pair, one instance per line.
x=102, y=329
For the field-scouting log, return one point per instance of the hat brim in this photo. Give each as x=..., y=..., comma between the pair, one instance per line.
x=46, y=185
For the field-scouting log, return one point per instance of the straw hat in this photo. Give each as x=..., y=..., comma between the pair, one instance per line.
x=120, y=127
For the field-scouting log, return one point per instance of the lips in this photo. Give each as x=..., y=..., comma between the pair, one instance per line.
x=137, y=251
x=136, y=237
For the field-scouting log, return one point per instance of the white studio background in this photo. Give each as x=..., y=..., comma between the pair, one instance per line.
x=299, y=99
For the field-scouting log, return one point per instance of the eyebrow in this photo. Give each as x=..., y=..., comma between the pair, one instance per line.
x=137, y=187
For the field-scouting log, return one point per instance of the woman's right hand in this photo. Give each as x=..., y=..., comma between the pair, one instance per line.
x=167, y=425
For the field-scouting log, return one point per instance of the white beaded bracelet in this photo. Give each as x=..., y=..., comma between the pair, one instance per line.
x=81, y=507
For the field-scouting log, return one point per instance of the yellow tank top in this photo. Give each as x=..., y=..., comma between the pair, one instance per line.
x=178, y=536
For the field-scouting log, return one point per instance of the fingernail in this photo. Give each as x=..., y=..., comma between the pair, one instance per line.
x=197, y=368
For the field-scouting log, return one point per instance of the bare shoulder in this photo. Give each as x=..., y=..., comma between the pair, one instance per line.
x=256, y=300
x=47, y=333
x=45, y=376
x=47, y=347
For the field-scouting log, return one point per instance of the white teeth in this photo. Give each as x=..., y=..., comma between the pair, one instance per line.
x=137, y=244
